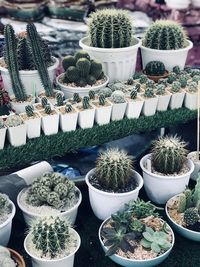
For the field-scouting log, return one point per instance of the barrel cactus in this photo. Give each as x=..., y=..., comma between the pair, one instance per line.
x=72, y=74
x=177, y=70
x=192, y=87
x=176, y=87
x=172, y=77
x=68, y=108
x=107, y=92
x=143, y=79
x=29, y=111
x=68, y=61
x=83, y=66
x=155, y=68
x=118, y=97
x=96, y=69
x=191, y=216
x=81, y=54
x=91, y=79
x=13, y=121
x=91, y=94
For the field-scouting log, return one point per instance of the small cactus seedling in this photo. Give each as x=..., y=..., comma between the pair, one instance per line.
x=172, y=77
x=130, y=81
x=195, y=72
x=150, y=83
x=68, y=108
x=86, y=102
x=160, y=90
x=102, y=100
x=13, y=121
x=176, y=69
x=91, y=94
x=163, y=81
x=44, y=101
x=29, y=111
x=59, y=99
x=68, y=61
x=118, y=97
x=155, y=68
x=176, y=87
x=188, y=69
x=149, y=92
x=2, y=125
x=196, y=78
x=133, y=94
x=183, y=80
x=47, y=109
x=4, y=204
x=137, y=87
x=191, y=216
x=137, y=226
x=192, y=87
x=76, y=98
x=107, y=92
x=143, y=79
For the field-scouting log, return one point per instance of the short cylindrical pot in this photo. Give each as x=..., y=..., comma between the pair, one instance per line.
x=104, y=203
x=17, y=258
x=160, y=188
x=118, y=63
x=170, y=58
x=134, y=108
x=33, y=126
x=176, y=100
x=193, y=157
x=122, y=261
x=17, y=135
x=2, y=137
x=70, y=214
x=163, y=102
x=102, y=114
x=67, y=261
x=118, y=111
x=5, y=227
x=50, y=124
x=86, y=118
x=150, y=105
x=191, y=101
x=68, y=121
x=178, y=4
x=19, y=107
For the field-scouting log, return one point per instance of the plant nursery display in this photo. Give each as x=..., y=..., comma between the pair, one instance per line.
x=155, y=70
x=136, y=236
x=51, y=242
x=112, y=183
x=52, y=193
x=9, y=258
x=194, y=156
x=50, y=120
x=166, y=171
x=119, y=105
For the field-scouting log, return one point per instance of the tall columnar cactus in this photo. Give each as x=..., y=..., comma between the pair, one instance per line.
x=24, y=55
x=96, y=68
x=4, y=204
x=12, y=63
x=91, y=94
x=155, y=68
x=59, y=99
x=76, y=97
x=113, y=169
x=102, y=100
x=110, y=28
x=29, y=111
x=168, y=155
x=165, y=35
x=86, y=102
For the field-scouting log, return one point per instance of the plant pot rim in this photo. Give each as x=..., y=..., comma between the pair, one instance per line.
x=193, y=152
x=53, y=260
x=35, y=214
x=157, y=78
x=188, y=47
x=134, y=260
x=112, y=193
x=84, y=45
x=169, y=177
x=178, y=225
x=11, y=215
x=28, y=72
x=18, y=256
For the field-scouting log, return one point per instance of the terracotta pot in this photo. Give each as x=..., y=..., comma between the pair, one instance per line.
x=17, y=257
x=157, y=78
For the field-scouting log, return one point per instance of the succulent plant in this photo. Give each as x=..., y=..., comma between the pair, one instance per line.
x=191, y=216
x=137, y=226
x=83, y=66
x=104, y=28
x=2, y=125
x=150, y=83
x=130, y=81
x=118, y=97
x=59, y=99
x=81, y=54
x=91, y=80
x=188, y=69
x=68, y=108
x=44, y=101
x=165, y=35
x=183, y=80
x=76, y=97
x=163, y=81
x=91, y=94
x=107, y=92
x=86, y=102
x=13, y=121
x=102, y=100
x=192, y=87
x=168, y=154
x=149, y=92
x=195, y=72
x=96, y=69
x=113, y=169
x=196, y=193
x=176, y=87
x=133, y=94
x=116, y=86
x=29, y=111
x=5, y=206
x=68, y=61
x=196, y=78
x=48, y=109
x=137, y=75
x=172, y=77
x=155, y=68
x=137, y=87
x=143, y=79
x=160, y=90
x=177, y=70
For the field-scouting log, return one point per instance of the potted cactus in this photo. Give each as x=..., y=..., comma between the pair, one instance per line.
x=119, y=105
x=155, y=70
x=183, y=212
x=51, y=242
x=191, y=96
x=68, y=117
x=164, y=97
x=2, y=133
x=166, y=41
x=51, y=193
x=86, y=113
x=50, y=120
x=103, y=110
x=41, y=105
x=116, y=49
x=81, y=75
x=7, y=212
x=134, y=104
x=150, y=101
x=9, y=258
x=136, y=236
x=16, y=130
x=177, y=96
x=112, y=183
x=166, y=170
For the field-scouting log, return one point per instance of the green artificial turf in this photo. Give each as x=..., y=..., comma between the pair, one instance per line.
x=47, y=147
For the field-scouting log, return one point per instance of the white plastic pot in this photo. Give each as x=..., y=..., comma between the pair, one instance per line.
x=17, y=135
x=70, y=215
x=176, y=100
x=5, y=228
x=82, y=91
x=104, y=203
x=170, y=58
x=118, y=63
x=196, y=3
x=50, y=123
x=30, y=79
x=118, y=111
x=150, y=105
x=178, y=4
x=86, y=118
x=67, y=261
x=103, y=114
x=191, y=101
x=51, y=100
x=33, y=126
x=136, y=263
x=68, y=121
x=2, y=137
x=134, y=108
x=191, y=156
x=160, y=188
x=19, y=107
x=163, y=102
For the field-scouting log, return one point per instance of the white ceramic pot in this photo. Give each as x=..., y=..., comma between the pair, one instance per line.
x=191, y=101
x=134, y=108
x=68, y=121
x=170, y=58
x=17, y=135
x=104, y=203
x=50, y=123
x=5, y=228
x=118, y=111
x=118, y=63
x=67, y=261
x=178, y=4
x=2, y=137
x=33, y=126
x=86, y=118
x=103, y=114
x=70, y=215
x=150, y=105
x=136, y=263
x=51, y=100
x=191, y=156
x=189, y=234
x=160, y=188
x=30, y=79
x=163, y=102
x=176, y=100
x=19, y=107
x=196, y=3
x=82, y=91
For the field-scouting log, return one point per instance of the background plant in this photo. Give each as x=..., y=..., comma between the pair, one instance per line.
x=155, y=68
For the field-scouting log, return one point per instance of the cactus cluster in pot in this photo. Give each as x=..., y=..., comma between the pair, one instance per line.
x=155, y=68
x=5, y=207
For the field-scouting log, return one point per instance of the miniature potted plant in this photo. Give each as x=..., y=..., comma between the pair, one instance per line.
x=50, y=120
x=116, y=49
x=103, y=110
x=86, y=113
x=68, y=117
x=164, y=97
x=7, y=212
x=119, y=105
x=150, y=101
x=112, y=183
x=16, y=130
x=183, y=212
x=155, y=70
x=81, y=75
x=51, y=242
x=10, y=257
x=166, y=171
x=167, y=42
x=177, y=96
x=134, y=104
x=2, y=133
x=136, y=236
x=52, y=193
x=191, y=96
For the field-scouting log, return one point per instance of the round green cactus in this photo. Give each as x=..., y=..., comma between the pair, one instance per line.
x=47, y=109
x=183, y=80
x=91, y=94
x=143, y=79
x=62, y=190
x=57, y=178
x=43, y=192
x=133, y=94
x=91, y=80
x=177, y=70
x=150, y=83
x=82, y=82
x=13, y=121
x=76, y=97
x=188, y=69
x=195, y=72
x=192, y=87
x=149, y=92
x=44, y=101
x=172, y=77
x=68, y=108
x=86, y=102
x=59, y=99
x=81, y=54
x=96, y=69
x=155, y=68
x=54, y=200
x=196, y=78
x=4, y=204
x=160, y=90
x=29, y=111
x=102, y=99
x=72, y=74
x=68, y=61
x=118, y=97
x=83, y=66
x=176, y=87
x=191, y=216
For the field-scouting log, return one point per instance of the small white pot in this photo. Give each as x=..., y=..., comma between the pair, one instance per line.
x=160, y=188
x=33, y=125
x=150, y=105
x=86, y=118
x=67, y=261
x=2, y=137
x=50, y=123
x=163, y=102
x=103, y=114
x=178, y=4
x=19, y=107
x=51, y=100
x=189, y=234
x=30, y=79
x=104, y=203
x=17, y=135
x=5, y=228
x=191, y=101
x=134, y=108
x=191, y=156
x=196, y=3
x=68, y=121
x=70, y=215
x=118, y=63
x=176, y=100
x=118, y=111
x=170, y=58
x=136, y=263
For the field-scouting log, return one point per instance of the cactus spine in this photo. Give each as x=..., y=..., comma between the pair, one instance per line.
x=133, y=94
